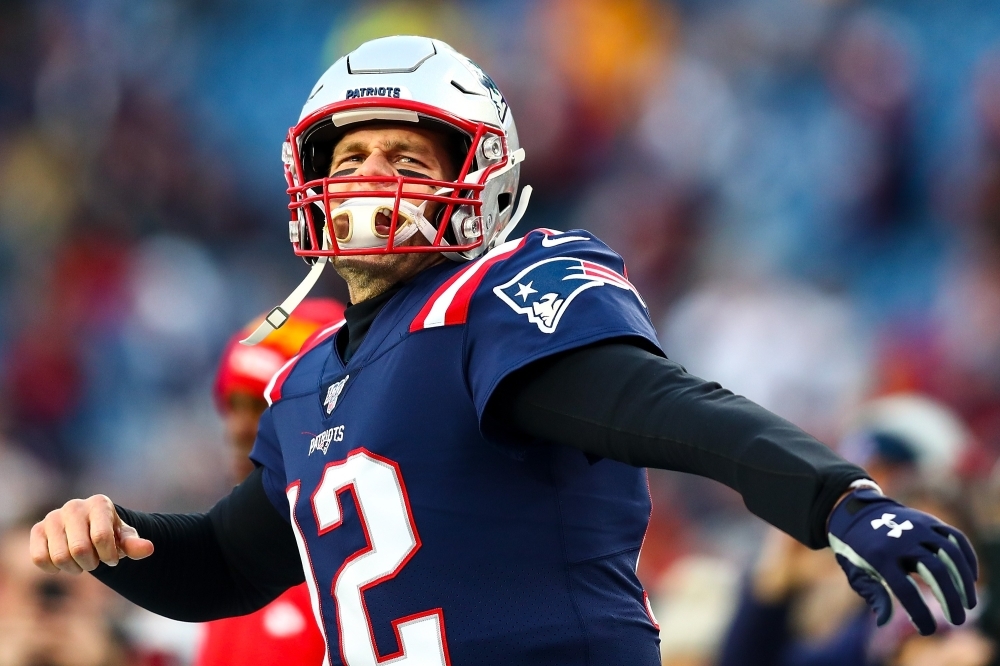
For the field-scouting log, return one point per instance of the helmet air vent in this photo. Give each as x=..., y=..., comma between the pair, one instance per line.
x=463, y=89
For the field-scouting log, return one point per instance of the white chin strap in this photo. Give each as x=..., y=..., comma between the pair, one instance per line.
x=360, y=212
x=522, y=207
x=277, y=317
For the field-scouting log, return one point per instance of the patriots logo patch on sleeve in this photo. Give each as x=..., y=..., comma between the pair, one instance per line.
x=544, y=290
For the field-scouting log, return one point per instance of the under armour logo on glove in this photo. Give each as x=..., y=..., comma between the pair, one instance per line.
x=921, y=544
x=895, y=530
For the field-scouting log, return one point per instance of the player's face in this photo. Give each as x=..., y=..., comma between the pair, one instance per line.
x=243, y=412
x=388, y=150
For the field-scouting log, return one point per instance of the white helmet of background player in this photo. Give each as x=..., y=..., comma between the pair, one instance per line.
x=401, y=79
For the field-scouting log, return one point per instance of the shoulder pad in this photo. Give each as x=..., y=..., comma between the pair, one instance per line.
x=273, y=391
x=449, y=304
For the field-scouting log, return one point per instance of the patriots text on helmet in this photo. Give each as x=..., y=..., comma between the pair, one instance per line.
x=381, y=91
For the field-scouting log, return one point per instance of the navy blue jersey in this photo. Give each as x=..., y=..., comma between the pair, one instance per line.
x=430, y=537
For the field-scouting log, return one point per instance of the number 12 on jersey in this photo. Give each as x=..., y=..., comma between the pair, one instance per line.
x=387, y=521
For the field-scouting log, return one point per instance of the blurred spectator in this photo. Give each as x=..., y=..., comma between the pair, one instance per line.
x=439, y=19
x=695, y=602
x=578, y=80
x=25, y=484
x=29, y=166
x=658, y=244
x=244, y=371
x=607, y=51
x=178, y=309
x=691, y=123
x=967, y=311
x=786, y=346
x=906, y=439
x=44, y=381
x=872, y=70
x=796, y=609
x=54, y=621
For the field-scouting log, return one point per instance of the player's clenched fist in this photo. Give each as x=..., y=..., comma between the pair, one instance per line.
x=83, y=533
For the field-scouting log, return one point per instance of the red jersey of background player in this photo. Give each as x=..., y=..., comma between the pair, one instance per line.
x=284, y=631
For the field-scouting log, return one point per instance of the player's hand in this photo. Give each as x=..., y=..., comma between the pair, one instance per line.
x=83, y=533
x=880, y=542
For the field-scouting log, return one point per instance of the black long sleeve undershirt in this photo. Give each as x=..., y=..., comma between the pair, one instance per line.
x=622, y=402
x=230, y=561
x=613, y=400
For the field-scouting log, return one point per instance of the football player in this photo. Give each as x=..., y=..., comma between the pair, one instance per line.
x=284, y=631
x=457, y=471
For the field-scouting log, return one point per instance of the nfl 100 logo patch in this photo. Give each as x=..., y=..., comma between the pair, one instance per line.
x=544, y=290
x=333, y=395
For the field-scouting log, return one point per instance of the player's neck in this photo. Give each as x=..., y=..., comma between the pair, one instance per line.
x=359, y=319
x=369, y=276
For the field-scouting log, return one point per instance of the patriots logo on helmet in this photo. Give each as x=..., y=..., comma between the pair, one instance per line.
x=544, y=290
x=495, y=95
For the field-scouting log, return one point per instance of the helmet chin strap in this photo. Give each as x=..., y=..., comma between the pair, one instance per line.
x=277, y=317
x=522, y=206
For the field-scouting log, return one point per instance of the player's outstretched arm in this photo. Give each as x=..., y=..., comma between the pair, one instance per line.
x=230, y=561
x=82, y=534
x=622, y=402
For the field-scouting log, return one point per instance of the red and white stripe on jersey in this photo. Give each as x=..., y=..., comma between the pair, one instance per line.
x=272, y=393
x=649, y=610
x=591, y=270
x=450, y=303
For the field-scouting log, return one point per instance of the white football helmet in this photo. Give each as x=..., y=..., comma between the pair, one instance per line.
x=401, y=79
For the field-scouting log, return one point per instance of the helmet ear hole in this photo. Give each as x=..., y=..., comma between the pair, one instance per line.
x=503, y=201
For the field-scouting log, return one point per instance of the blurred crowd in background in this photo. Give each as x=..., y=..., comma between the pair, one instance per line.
x=807, y=193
